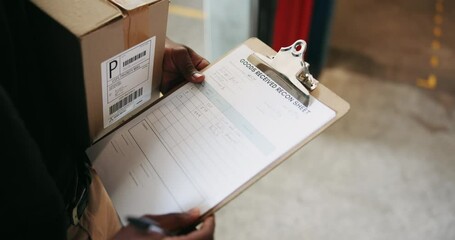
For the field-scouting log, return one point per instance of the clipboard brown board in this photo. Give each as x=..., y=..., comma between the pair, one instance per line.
x=128, y=155
x=322, y=93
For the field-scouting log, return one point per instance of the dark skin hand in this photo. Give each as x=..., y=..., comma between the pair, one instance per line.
x=170, y=223
x=180, y=63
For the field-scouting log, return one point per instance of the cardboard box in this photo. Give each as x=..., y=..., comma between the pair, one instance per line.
x=101, y=60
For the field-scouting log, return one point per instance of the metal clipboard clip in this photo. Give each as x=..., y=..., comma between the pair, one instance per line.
x=289, y=70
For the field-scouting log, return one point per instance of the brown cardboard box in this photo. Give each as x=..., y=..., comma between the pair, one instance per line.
x=102, y=60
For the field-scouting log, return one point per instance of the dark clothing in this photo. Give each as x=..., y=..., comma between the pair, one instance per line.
x=32, y=206
x=39, y=161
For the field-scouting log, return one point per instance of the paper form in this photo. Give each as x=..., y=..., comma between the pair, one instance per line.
x=198, y=145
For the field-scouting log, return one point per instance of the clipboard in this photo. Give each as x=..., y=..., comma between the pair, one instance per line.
x=122, y=165
x=314, y=88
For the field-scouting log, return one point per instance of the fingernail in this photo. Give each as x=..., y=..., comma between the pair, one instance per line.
x=197, y=75
x=194, y=212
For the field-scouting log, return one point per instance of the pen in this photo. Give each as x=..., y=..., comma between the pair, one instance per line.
x=145, y=224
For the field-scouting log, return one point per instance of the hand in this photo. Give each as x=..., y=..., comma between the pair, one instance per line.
x=180, y=63
x=171, y=223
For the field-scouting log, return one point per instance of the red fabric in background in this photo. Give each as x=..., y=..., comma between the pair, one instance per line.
x=292, y=22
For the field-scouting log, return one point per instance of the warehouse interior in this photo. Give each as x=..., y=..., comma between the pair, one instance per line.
x=384, y=171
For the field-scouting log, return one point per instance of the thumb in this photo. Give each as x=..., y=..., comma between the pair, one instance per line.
x=185, y=60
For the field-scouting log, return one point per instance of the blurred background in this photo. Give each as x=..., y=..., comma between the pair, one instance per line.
x=384, y=171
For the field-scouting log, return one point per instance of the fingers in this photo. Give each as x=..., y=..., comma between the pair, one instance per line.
x=180, y=63
x=188, y=63
x=176, y=221
x=198, y=61
x=206, y=232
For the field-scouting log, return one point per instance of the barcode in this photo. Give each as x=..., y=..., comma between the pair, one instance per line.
x=134, y=58
x=118, y=105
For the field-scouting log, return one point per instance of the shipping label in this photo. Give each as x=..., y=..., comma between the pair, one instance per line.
x=127, y=81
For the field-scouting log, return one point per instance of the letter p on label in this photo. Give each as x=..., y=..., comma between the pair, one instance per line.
x=113, y=69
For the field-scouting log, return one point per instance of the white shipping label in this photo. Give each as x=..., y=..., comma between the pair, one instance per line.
x=127, y=81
